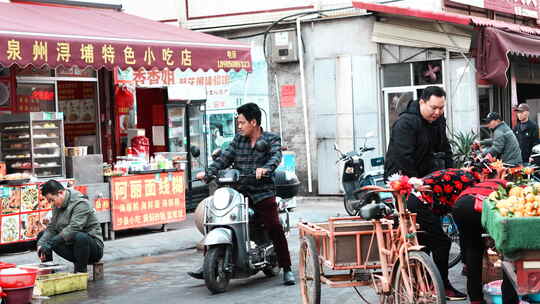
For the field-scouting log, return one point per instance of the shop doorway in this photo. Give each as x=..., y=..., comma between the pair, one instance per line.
x=151, y=117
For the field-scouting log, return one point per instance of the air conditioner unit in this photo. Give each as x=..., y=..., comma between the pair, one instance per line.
x=284, y=46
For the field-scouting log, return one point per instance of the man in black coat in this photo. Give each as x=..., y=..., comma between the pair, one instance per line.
x=526, y=132
x=418, y=142
x=419, y=146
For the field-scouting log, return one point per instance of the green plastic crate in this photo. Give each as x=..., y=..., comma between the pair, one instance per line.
x=511, y=234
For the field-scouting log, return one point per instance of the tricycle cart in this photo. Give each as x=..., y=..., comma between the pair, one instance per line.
x=369, y=250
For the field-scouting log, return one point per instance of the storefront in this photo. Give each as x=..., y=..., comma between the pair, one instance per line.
x=56, y=77
x=499, y=71
x=510, y=61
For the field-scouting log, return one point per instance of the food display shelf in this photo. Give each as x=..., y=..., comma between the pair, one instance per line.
x=16, y=139
x=42, y=128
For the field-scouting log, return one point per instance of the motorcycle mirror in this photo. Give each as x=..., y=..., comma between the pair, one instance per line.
x=262, y=145
x=216, y=153
x=195, y=151
x=336, y=148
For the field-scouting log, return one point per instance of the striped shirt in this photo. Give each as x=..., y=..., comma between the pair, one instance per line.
x=243, y=157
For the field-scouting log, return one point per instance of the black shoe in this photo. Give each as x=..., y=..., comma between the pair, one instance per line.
x=288, y=278
x=454, y=295
x=197, y=274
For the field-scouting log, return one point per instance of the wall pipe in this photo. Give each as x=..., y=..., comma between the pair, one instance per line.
x=304, y=103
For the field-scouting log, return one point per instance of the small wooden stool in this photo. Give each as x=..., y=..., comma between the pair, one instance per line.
x=97, y=271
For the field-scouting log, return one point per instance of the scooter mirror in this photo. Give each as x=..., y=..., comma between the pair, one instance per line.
x=216, y=153
x=262, y=145
x=195, y=151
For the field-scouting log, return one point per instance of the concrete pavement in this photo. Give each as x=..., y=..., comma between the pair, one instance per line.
x=150, y=241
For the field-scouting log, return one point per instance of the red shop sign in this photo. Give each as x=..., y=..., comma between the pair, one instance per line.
x=147, y=199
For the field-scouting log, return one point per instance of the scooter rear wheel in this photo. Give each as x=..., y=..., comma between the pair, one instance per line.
x=216, y=276
x=364, y=197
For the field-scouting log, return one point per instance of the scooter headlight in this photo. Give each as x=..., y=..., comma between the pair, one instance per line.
x=222, y=198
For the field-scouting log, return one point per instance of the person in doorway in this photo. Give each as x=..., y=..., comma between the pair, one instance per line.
x=74, y=232
x=526, y=132
x=241, y=155
x=418, y=142
x=445, y=186
x=504, y=144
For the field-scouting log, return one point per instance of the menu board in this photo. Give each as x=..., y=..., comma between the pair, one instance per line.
x=23, y=212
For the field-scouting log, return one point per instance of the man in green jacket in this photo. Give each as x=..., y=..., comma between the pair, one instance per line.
x=504, y=144
x=74, y=232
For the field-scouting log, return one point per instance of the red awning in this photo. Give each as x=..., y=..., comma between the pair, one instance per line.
x=495, y=42
x=479, y=21
x=494, y=46
x=61, y=36
x=409, y=12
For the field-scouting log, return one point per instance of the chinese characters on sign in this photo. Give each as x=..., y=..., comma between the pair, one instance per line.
x=216, y=83
x=145, y=200
x=24, y=51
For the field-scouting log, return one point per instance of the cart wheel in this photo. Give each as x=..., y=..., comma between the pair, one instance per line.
x=425, y=279
x=310, y=271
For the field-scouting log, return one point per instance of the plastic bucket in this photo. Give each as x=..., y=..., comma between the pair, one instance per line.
x=17, y=277
x=19, y=295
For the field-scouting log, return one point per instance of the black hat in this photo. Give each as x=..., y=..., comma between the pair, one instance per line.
x=492, y=116
x=522, y=107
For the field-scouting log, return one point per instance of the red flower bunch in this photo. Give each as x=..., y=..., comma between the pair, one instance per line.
x=401, y=185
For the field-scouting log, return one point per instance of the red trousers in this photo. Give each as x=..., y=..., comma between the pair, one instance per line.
x=266, y=211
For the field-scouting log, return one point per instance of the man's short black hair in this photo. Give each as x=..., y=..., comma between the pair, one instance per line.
x=250, y=111
x=432, y=90
x=51, y=187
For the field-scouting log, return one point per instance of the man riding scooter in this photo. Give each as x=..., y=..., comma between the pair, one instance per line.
x=242, y=155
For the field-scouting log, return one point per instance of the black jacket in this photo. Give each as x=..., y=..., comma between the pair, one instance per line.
x=414, y=142
x=527, y=138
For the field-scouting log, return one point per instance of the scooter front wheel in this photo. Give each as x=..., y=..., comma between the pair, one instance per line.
x=216, y=276
x=347, y=203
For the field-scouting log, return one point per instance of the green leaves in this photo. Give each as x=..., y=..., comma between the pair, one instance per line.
x=461, y=143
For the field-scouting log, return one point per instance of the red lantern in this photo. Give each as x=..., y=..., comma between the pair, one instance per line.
x=124, y=100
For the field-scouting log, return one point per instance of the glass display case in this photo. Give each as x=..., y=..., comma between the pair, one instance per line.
x=185, y=128
x=197, y=137
x=175, y=131
x=33, y=143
